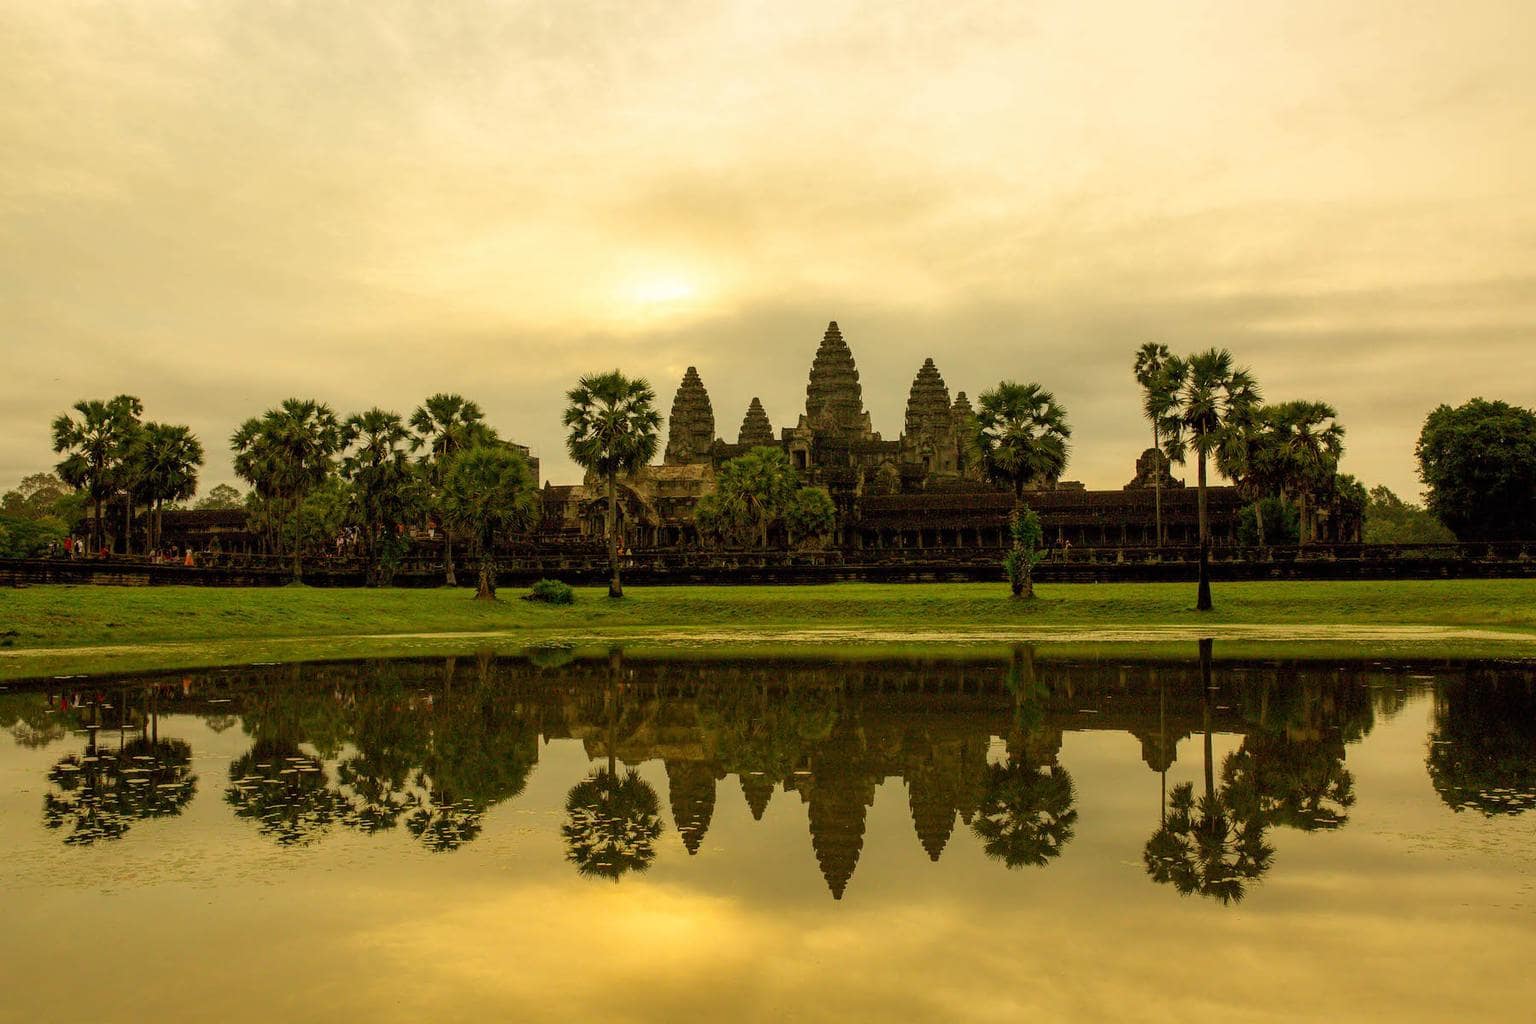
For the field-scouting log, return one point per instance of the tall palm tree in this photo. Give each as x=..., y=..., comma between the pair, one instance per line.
x=1310, y=441
x=383, y=484
x=446, y=424
x=1152, y=363
x=1209, y=396
x=613, y=428
x=1022, y=435
x=1249, y=455
x=95, y=444
x=164, y=459
x=488, y=492
x=288, y=453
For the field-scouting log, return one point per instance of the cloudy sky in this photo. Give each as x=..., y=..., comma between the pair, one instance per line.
x=216, y=205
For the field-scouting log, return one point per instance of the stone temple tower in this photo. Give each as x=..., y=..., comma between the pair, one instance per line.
x=834, y=402
x=755, y=428
x=691, y=428
x=930, y=437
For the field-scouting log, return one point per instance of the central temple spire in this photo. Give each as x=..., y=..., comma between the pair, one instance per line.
x=834, y=402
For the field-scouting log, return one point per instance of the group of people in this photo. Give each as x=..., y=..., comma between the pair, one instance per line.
x=79, y=547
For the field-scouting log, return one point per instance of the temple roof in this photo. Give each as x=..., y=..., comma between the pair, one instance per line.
x=928, y=408
x=691, y=427
x=755, y=428
x=833, y=398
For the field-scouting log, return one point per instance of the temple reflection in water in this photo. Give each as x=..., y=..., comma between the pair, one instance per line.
x=429, y=747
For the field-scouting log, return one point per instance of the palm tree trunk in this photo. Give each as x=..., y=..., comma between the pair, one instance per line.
x=298, y=538
x=615, y=588
x=98, y=531
x=1301, y=520
x=1157, y=492
x=127, y=525
x=448, y=577
x=1203, y=596
x=487, y=588
x=1258, y=519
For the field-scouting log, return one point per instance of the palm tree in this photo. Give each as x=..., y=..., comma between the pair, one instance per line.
x=1208, y=397
x=446, y=424
x=164, y=460
x=1249, y=456
x=488, y=492
x=755, y=490
x=1310, y=441
x=383, y=484
x=1152, y=363
x=95, y=446
x=613, y=429
x=287, y=453
x=1022, y=435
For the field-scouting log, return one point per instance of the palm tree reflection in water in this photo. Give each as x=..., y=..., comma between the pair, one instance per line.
x=1207, y=847
x=613, y=821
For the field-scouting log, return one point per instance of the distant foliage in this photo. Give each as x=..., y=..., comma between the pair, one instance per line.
x=220, y=498
x=1479, y=462
x=1391, y=520
x=1278, y=519
x=551, y=592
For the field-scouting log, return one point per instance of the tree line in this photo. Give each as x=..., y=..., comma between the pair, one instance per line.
x=373, y=476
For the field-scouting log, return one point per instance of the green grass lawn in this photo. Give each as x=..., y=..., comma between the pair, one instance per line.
x=94, y=627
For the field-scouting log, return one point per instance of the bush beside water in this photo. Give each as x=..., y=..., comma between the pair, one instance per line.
x=550, y=592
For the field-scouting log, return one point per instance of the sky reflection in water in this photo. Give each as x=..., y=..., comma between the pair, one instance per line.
x=569, y=838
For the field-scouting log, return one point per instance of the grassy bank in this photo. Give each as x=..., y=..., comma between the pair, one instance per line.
x=51, y=630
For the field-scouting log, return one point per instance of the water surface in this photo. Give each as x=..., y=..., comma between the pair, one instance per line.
x=575, y=838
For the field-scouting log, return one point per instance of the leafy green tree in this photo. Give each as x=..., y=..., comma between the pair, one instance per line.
x=1309, y=441
x=222, y=497
x=753, y=492
x=386, y=492
x=1479, y=462
x=613, y=429
x=1026, y=532
x=95, y=443
x=43, y=496
x=1022, y=435
x=162, y=463
x=1250, y=455
x=1152, y=363
x=810, y=516
x=286, y=454
x=1209, y=397
x=488, y=492
x=1391, y=520
x=444, y=425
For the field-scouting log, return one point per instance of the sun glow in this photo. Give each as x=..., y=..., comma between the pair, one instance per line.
x=663, y=290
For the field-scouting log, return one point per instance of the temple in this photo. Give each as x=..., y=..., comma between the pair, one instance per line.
x=920, y=490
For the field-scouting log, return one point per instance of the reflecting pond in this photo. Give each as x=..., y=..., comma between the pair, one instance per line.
x=570, y=837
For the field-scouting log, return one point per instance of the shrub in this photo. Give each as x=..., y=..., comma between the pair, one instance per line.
x=550, y=592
